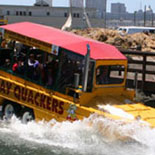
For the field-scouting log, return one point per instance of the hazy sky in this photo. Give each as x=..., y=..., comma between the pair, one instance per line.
x=131, y=5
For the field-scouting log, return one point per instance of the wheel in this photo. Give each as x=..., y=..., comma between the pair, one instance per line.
x=8, y=111
x=27, y=117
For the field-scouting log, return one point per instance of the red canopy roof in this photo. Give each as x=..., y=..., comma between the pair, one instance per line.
x=66, y=40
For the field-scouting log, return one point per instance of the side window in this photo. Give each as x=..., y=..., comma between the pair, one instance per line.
x=69, y=65
x=29, y=63
x=5, y=58
x=110, y=74
x=50, y=69
x=42, y=68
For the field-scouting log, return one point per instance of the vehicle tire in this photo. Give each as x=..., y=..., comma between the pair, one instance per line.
x=10, y=109
x=27, y=117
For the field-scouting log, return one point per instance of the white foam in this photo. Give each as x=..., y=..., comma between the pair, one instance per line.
x=115, y=111
x=93, y=135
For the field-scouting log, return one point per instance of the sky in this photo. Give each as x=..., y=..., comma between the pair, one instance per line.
x=132, y=5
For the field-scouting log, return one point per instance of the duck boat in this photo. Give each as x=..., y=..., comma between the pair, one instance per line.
x=47, y=73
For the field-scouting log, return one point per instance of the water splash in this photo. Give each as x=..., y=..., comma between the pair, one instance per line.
x=93, y=135
x=115, y=111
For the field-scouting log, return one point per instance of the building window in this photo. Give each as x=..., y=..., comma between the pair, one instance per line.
x=30, y=13
x=24, y=13
x=48, y=13
x=21, y=13
x=78, y=15
x=8, y=13
x=65, y=14
x=17, y=13
x=74, y=14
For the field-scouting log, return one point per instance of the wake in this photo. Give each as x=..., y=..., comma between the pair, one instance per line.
x=93, y=135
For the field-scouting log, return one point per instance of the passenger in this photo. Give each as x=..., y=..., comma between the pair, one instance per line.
x=102, y=75
x=39, y=69
x=3, y=44
x=32, y=64
x=49, y=77
x=7, y=63
x=18, y=66
x=67, y=73
x=11, y=44
x=1, y=39
x=54, y=66
x=18, y=48
x=14, y=67
x=50, y=69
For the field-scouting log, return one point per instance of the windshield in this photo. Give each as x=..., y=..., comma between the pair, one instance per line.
x=110, y=74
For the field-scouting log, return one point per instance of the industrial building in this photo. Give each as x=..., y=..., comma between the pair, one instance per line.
x=118, y=8
x=52, y=16
x=99, y=5
x=78, y=3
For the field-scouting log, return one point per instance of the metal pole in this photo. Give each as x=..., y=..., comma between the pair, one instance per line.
x=105, y=15
x=86, y=16
x=145, y=15
x=86, y=69
x=71, y=7
x=76, y=80
x=152, y=19
x=135, y=18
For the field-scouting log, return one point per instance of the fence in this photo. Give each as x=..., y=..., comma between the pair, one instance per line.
x=144, y=66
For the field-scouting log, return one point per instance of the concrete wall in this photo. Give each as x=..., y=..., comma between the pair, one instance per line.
x=55, y=21
x=43, y=11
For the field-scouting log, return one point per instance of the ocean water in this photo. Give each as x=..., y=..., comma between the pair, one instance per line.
x=91, y=136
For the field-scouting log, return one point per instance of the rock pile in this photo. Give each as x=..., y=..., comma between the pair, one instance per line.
x=137, y=41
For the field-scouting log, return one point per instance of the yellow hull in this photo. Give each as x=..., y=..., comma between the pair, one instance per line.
x=48, y=105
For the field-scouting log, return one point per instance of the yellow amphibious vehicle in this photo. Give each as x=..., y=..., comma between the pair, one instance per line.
x=47, y=73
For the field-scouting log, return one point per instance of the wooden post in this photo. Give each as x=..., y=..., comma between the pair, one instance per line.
x=136, y=81
x=143, y=72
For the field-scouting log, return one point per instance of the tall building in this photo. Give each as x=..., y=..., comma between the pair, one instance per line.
x=77, y=3
x=118, y=8
x=42, y=2
x=99, y=5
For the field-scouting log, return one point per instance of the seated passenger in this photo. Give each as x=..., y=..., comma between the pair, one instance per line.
x=32, y=64
x=11, y=44
x=49, y=77
x=102, y=75
x=18, y=66
x=32, y=61
x=7, y=63
x=39, y=69
x=3, y=44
